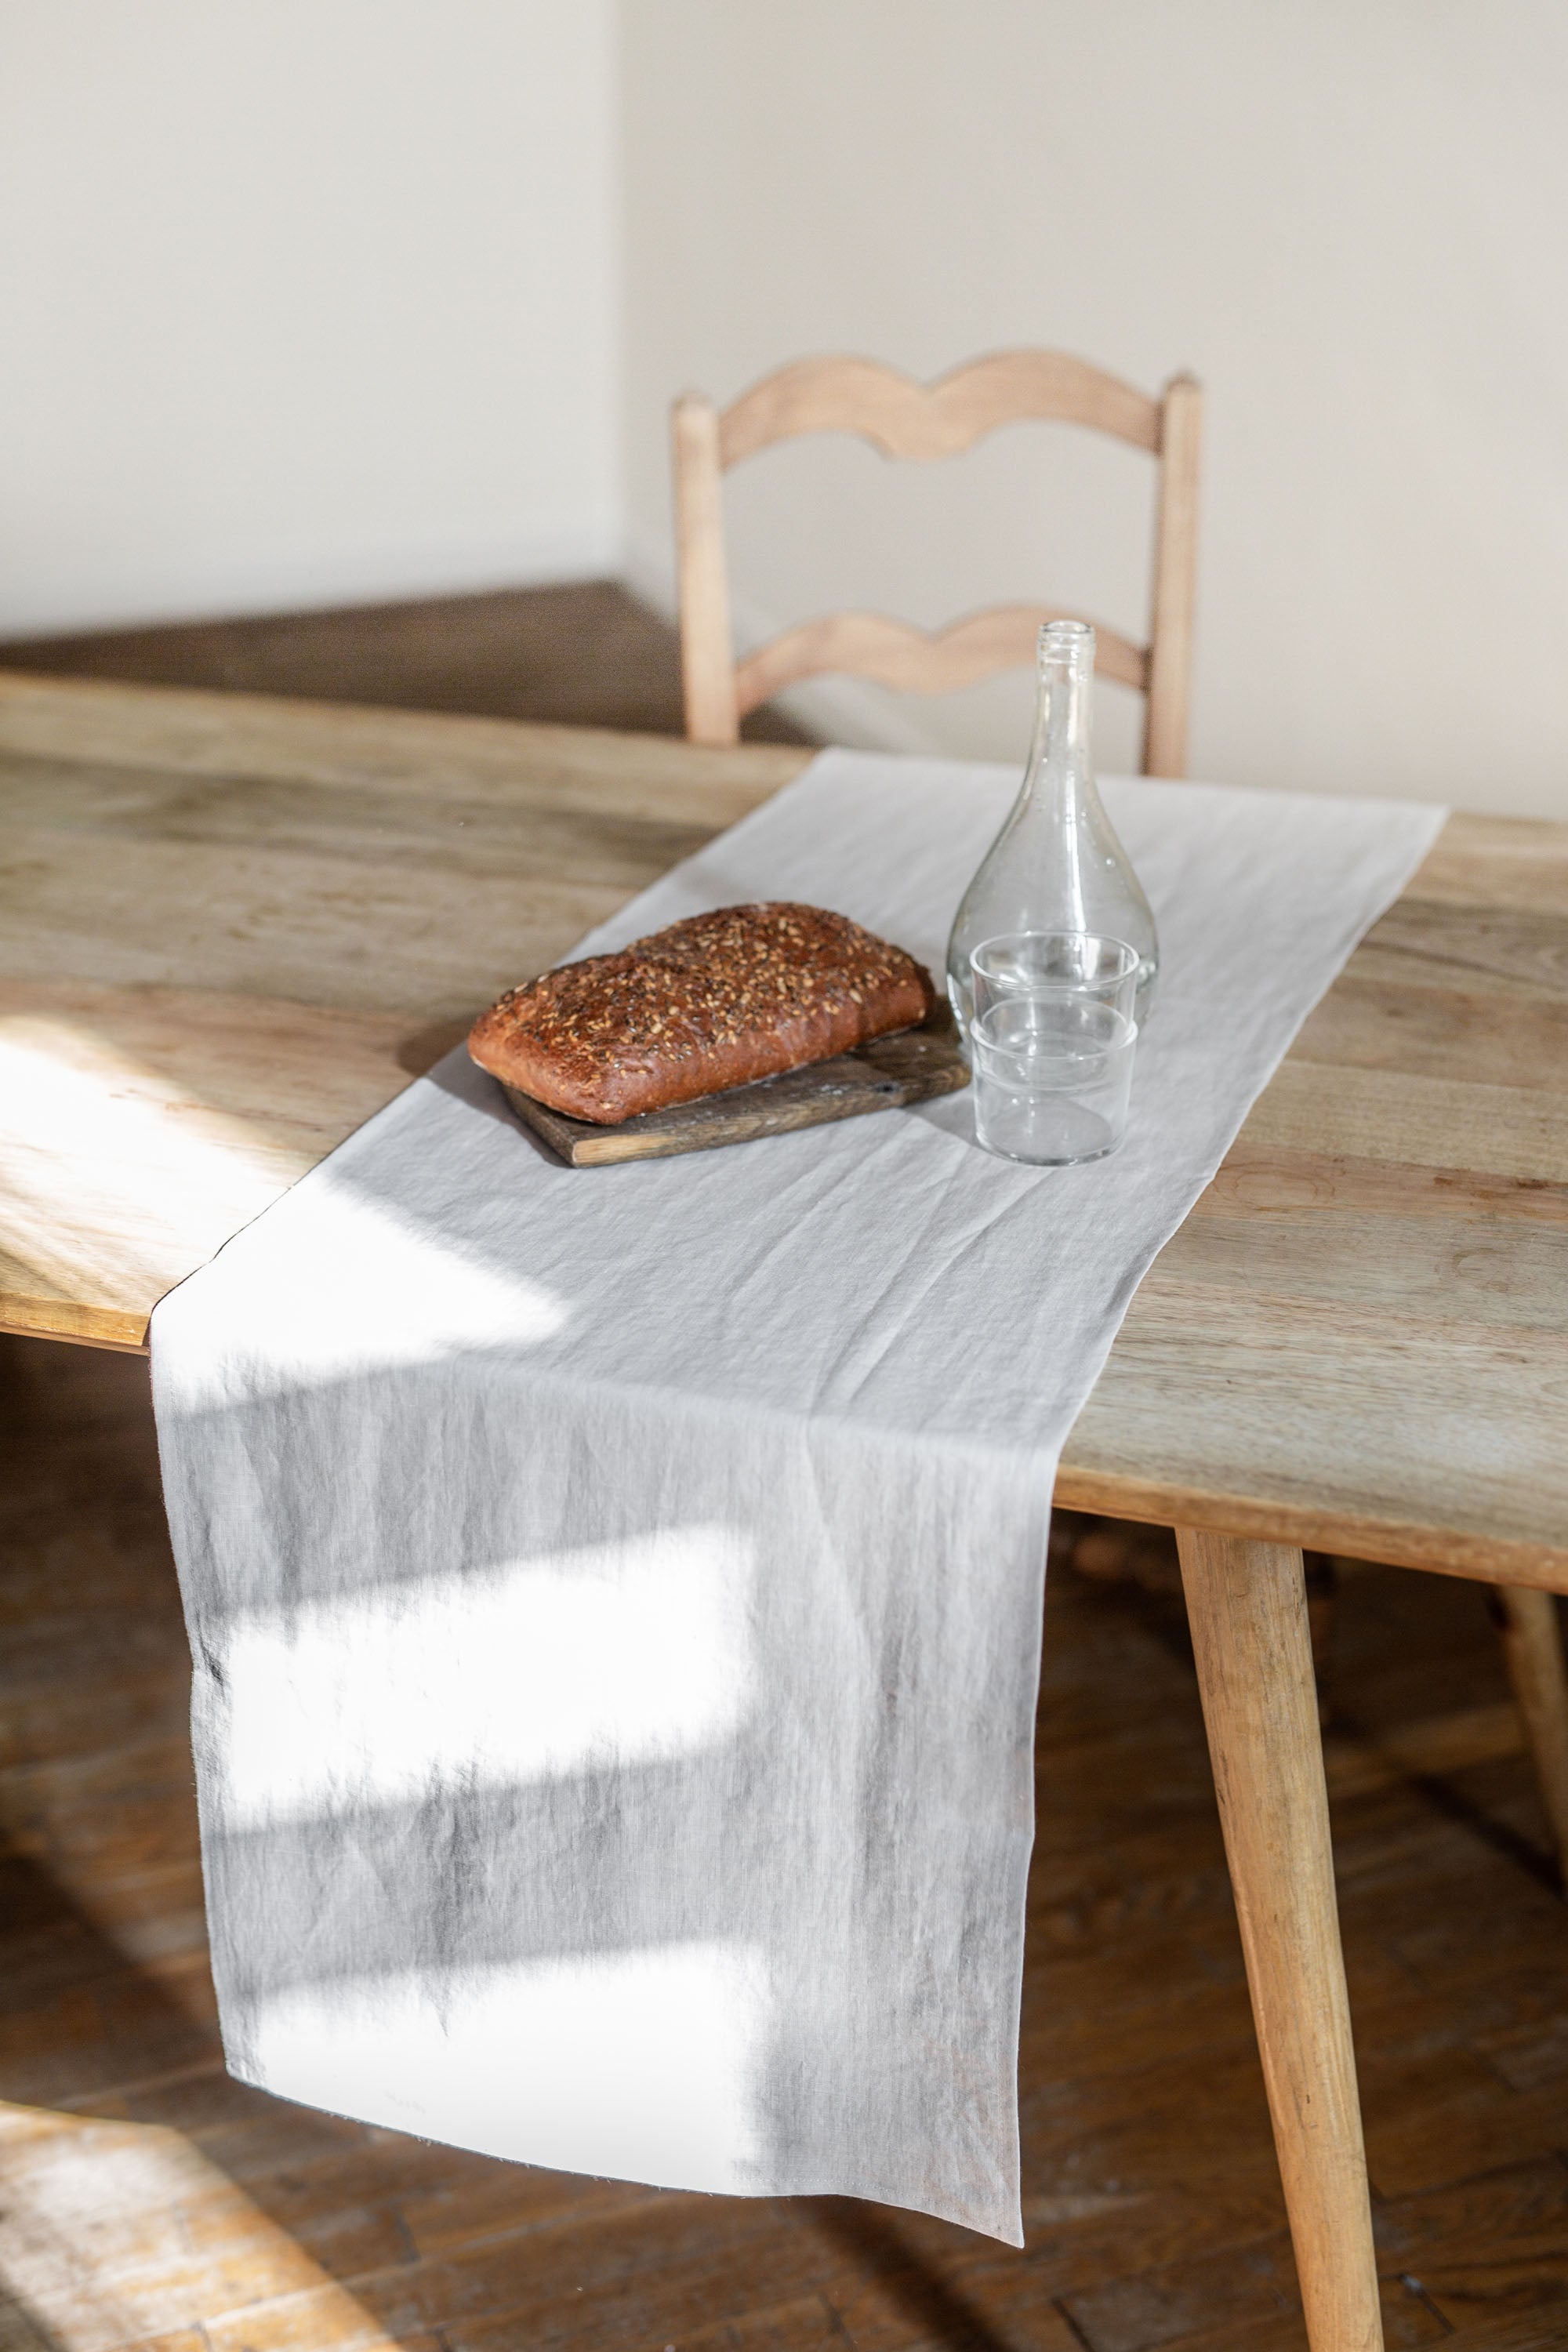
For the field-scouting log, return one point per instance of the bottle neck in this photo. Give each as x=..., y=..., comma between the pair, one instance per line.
x=1059, y=754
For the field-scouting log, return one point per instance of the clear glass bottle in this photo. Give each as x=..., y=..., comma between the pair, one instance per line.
x=1057, y=863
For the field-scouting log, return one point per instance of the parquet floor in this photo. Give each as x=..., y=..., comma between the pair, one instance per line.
x=584, y=655
x=146, y=2200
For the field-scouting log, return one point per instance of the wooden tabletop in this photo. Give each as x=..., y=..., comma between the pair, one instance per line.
x=231, y=927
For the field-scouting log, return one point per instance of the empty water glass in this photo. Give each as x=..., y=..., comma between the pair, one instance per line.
x=1082, y=965
x=1052, y=1077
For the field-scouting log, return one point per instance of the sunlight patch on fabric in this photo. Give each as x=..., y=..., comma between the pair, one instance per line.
x=642, y=2064
x=363, y=1290
x=619, y=1654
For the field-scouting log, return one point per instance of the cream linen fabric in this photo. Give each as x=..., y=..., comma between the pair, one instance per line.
x=615, y=1593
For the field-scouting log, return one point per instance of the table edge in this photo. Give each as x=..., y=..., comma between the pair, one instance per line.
x=1395, y=1543
x=1391, y=1543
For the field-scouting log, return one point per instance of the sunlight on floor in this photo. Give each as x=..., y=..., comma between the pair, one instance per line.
x=112, y=2233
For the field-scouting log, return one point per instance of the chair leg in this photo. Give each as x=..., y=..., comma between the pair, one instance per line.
x=1533, y=1649
x=1247, y=1604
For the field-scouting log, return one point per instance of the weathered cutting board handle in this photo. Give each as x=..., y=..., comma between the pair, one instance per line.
x=909, y=1067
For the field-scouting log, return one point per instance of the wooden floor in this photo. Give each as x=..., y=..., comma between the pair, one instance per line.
x=585, y=655
x=145, y=2198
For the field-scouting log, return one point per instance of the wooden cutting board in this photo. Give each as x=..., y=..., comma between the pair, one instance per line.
x=889, y=1072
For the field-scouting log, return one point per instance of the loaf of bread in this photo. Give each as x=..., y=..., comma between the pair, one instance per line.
x=714, y=1001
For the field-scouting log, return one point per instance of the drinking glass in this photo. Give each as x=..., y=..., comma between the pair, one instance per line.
x=1080, y=965
x=1052, y=1077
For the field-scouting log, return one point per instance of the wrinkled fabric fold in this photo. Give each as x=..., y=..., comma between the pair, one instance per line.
x=615, y=1594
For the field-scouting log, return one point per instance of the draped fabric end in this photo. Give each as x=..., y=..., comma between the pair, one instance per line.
x=615, y=1594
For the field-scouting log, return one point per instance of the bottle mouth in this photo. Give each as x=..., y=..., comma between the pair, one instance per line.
x=1066, y=641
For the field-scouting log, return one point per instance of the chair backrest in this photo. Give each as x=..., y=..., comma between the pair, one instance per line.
x=906, y=419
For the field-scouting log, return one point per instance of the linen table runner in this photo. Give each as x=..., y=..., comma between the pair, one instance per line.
x=615, y=1594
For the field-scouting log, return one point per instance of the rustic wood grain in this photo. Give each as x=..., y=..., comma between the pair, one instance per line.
x=141, y=1127
x=910, y=1066
x=235, y=925
x=1389, y=1237
x=231, y=927
x=233, y=736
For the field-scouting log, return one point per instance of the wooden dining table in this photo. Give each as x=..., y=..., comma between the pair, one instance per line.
x=231, y=928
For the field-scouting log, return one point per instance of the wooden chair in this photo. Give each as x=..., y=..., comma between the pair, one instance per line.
x=906, y=419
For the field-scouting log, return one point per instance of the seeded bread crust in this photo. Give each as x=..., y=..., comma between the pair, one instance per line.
x=711, y=1003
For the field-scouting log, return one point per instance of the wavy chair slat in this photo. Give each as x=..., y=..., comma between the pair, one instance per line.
x=869, y=644
x=905, y=418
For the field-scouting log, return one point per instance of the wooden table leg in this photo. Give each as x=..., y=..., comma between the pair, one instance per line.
x=1532, y=1646
x=1248, y=1606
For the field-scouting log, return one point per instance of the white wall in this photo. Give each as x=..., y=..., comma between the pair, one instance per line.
x=303, y=301
x=1349, y=217
x=309, y=301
